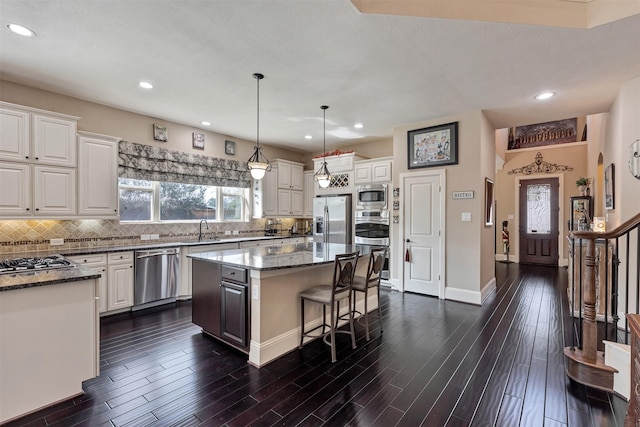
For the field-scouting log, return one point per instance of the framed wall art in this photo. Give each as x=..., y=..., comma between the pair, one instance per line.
x=230, y=147
x=488, y=202
x=160, y=133
x=609, y=187
x=433, y=146
x=198, y=141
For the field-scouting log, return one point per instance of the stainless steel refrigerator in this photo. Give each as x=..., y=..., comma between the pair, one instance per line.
x=332, y=219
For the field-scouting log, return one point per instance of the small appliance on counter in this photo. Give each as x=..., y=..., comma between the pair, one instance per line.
x=273, y=227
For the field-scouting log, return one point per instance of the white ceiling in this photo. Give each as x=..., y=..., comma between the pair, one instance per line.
x=381, y=70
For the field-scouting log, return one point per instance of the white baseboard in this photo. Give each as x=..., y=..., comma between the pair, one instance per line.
x=262, y=353
x=470, y=297
x=618, y=356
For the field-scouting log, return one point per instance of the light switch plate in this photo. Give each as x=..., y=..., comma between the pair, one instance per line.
x=255, y=290
x=154, y=236
x=466, y=216
x=227, y=232
x=236, y=232
x=144, y=237
x=56, y=242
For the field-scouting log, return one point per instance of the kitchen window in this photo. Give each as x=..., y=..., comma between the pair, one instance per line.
x=152, y=201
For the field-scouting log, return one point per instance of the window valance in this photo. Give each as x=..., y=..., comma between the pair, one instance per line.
x=139, y=161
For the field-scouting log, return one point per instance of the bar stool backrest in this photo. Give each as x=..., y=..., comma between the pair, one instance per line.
x=344, y=271
x=376, y=262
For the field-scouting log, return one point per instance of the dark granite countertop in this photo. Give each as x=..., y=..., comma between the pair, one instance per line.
x=281, y=256
x=10, y=282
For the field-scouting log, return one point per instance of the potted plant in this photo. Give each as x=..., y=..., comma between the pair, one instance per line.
x=583, y=184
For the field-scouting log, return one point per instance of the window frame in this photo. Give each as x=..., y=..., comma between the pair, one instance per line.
x=220, y=192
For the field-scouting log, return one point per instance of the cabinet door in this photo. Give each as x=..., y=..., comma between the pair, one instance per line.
x=270, y=193
x=284, y=175
x=15, y=195
x=14, y=135
x=297, y=202
x=120, y=286
x=233, y=312
x=98, y=263
x=97, y=177
x=284, y=202
x=309, y=193
x=205, y=305
x=296, y=177
x=381, y=171
x=54, y=141
x=362, y=174
x=54, y=191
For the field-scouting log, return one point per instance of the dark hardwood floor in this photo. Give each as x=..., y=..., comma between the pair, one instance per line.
x=437, y=363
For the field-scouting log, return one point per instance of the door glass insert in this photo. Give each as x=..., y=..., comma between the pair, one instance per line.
x=539, y=208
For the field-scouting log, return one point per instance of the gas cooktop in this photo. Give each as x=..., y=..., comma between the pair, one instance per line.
x=26, y=265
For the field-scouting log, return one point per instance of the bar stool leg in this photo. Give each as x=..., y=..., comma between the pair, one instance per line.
x=301, y=322
x=333, y=336
x=353, y=332
x=366, y=312
x=379, y=310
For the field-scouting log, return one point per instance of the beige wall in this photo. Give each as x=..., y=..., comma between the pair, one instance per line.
x=134, y=127
x=573, y=155
x=371, y=149
x=465, y=241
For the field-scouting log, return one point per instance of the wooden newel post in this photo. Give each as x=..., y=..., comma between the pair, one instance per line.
x=590, y=328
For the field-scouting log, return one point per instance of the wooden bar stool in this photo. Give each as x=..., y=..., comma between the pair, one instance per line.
x=330, y=296
x=365, y=284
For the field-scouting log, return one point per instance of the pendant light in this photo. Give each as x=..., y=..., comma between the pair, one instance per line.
x=322, y=176
x=258, y=164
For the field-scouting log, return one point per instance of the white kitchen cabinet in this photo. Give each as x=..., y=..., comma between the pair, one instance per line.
x=97, y=262
x=289, y=174
x=120, y=280
x=15, y=197
x=54, y=140
x=270, y=193
x=255, y=243
x=309, y=194
x=42, y=191
x=54, y=191
x=341, y=169
x=15, y=135
x=290, y=203
x=97, y=175
x=366, y=172
x=38, y=171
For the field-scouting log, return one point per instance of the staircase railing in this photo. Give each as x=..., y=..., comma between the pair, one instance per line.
x=597, y=294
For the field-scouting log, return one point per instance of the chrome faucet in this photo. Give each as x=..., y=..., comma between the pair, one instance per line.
x=200, y=233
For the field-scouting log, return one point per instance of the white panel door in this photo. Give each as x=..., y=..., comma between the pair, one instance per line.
x=423, y=249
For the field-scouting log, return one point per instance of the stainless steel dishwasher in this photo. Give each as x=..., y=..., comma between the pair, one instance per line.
x=157, y=275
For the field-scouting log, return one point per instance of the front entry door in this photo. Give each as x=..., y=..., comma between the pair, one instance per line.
x=423, y=246
x=539, y=221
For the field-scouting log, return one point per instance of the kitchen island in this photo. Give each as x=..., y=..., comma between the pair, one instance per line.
x=49, y=336
x=249, y=297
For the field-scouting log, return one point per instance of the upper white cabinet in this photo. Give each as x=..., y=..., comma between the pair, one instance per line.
x=37, y=163
x=282, y=190
x=289, y=174
x=309, y=194
x=366, y=172
x=97, y=175
x=37, y=136
x=342, y=173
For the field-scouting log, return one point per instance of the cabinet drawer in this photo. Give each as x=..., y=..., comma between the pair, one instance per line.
x=88, y=259
x=234, y=274
x=120, y=257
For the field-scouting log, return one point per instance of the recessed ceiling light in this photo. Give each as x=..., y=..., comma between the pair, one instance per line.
x=145, y=85
x=358, y=126
x=20, y=30
x=308, y=137
x=206, y=123
x=545, y=95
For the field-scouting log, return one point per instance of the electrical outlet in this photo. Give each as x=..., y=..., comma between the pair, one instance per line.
x=56, y=242
x=145, y=237
x=255, y=292
x=154, y=236
x=227, y=232
x=466, y=216
x=236, y=232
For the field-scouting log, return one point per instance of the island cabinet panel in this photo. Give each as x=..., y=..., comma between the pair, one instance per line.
x=205, y=284
x=233, y=319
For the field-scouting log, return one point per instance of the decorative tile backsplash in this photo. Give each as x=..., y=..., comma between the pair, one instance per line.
x=34, y=235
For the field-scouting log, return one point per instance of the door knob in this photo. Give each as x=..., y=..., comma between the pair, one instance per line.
x=408, y=240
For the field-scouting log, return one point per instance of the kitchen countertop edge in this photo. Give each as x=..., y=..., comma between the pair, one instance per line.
x=12, y=282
